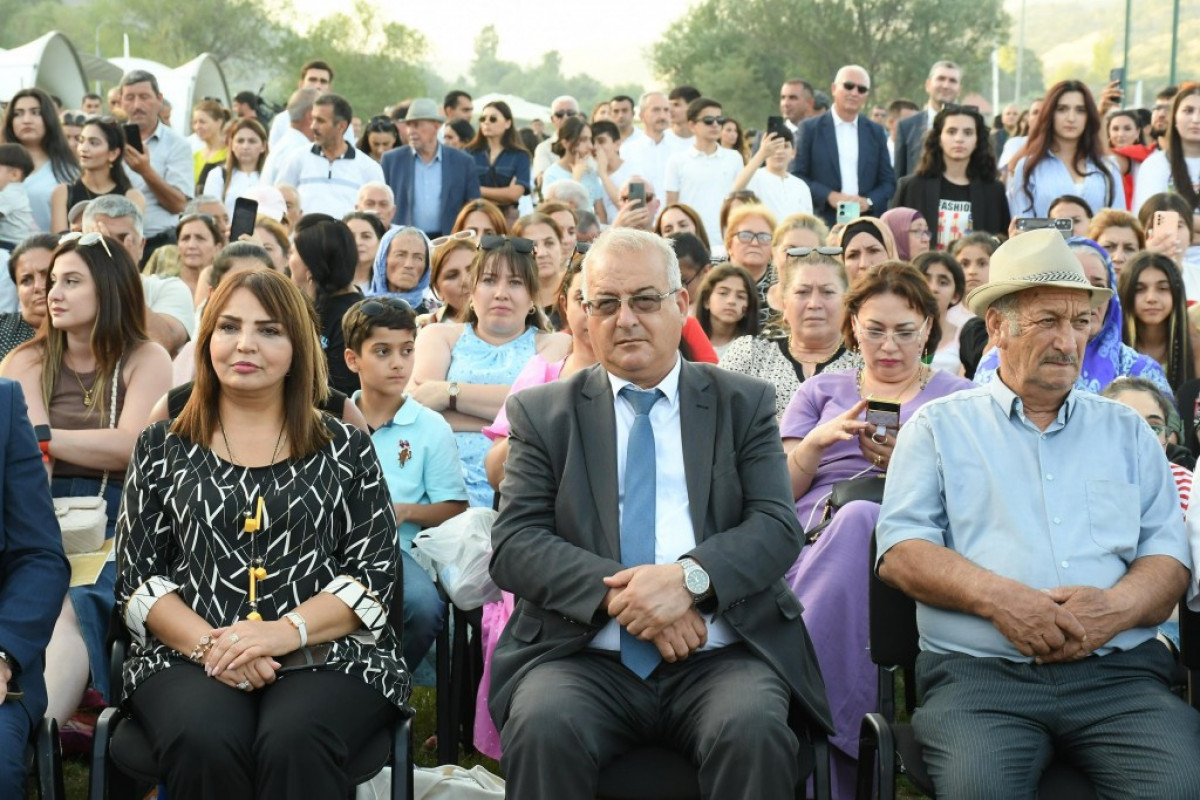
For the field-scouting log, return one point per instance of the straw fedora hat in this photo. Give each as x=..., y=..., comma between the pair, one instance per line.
x=424, y=108
x=1034, y=259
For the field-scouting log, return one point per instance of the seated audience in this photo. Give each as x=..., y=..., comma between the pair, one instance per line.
x=909, y=230
x=29, y=268
x=865, y=242
x=681, y=218
x=368, y=230
x=1159, y=326
x=1119, y=233
x=402, y=268
x=1076, y=209
x=948, y=285
x=727, y=308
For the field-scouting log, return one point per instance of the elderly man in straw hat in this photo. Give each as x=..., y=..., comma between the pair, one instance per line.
x=1038, y=528
x=430, y=182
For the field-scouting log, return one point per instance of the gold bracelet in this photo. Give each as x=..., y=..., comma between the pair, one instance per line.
x=797, y=462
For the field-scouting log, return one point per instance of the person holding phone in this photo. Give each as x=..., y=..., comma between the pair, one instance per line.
x=101, y=152
x=243, y=165
x=1177, y=168
x=1065, y=154
x=766, y=174
x=954, y=186
x=1170, y=229
x=893, y=320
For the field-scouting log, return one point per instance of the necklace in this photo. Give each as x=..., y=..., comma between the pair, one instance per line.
x=823, y=356
x=923, y=373
x=89, y=395
x=252, y=524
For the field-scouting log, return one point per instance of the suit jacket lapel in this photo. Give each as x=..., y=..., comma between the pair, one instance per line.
x=866, y=171
x=825, y=126
x=443, y=202
x=411, y=183
x=698, y=425
x=598, y=430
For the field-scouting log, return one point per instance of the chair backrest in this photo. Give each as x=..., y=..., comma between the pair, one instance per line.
x=894, y=639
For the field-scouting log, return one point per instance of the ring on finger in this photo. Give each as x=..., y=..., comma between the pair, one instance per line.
x=878, y=460
x=234, y=638
x=244, y=686
x=877, y=439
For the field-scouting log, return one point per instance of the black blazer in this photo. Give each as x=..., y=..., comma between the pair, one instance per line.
x=817, y=164
x=989, y=206
x=909, y=142
x=558, y=533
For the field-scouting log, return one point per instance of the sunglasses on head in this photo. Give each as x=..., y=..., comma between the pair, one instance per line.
x=802, y=252
x=381, y=305
x=711, y=120
x=851, y=86
x=73, y=119
x=85, y=240
x=518, y=243
x=955, y=108
x=466, y=233
x=565, y=112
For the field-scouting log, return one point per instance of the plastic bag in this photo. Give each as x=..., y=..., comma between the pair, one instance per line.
x=462, y=547
x=450, y=782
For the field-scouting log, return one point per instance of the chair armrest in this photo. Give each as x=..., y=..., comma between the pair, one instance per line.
x=48, y=755
x=402, y=756
x=101, y=738
x=876, y=742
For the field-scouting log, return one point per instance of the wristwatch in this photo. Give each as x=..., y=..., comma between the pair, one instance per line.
x=299, y=624
x=695, y=580
x=452, y=390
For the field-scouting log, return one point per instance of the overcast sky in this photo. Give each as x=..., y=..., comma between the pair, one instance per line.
x=608, y=40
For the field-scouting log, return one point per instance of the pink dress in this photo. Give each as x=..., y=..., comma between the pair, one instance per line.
x=495, y=615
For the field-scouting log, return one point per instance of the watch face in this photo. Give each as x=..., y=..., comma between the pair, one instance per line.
x=697, y=580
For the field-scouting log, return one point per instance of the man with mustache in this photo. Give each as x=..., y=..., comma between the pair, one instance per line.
x=1039, y=530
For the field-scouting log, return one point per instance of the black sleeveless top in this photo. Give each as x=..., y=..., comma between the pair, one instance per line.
x=78, y=193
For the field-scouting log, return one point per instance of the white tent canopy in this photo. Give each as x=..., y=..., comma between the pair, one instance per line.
x=184, y=86
x=522, y=110
x=49, y=63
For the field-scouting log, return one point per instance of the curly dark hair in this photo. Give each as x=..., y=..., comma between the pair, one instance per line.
x=982, y=164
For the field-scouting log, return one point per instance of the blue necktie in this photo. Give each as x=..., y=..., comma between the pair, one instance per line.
x=637, y=516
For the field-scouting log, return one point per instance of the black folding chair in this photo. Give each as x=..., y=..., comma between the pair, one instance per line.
x=43, y=758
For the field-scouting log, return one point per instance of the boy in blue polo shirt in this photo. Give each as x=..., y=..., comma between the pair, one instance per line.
x=415, y=446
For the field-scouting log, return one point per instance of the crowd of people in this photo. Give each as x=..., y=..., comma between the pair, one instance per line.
x=660, y=342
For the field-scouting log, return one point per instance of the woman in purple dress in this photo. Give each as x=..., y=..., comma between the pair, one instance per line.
x=892, y=319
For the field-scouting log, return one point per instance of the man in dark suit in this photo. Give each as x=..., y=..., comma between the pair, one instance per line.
x=842, y=155
x=647, y=564
x=33, y=582
x=431, y=183
x=942, y=86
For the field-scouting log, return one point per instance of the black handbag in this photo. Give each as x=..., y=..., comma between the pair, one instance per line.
x=868, y=487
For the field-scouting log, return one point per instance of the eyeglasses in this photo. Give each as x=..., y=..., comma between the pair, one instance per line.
x=85, y=240
x=851, y=86
x=802, y=252
x=749, y=237
x=921, y=233
x=638, y=304
x=879, y=336
x=491, y=118
x=381, y=305
x=518, y=243
x=565, y=112
x=464, y=234
x=955, y=108
x=711, y=120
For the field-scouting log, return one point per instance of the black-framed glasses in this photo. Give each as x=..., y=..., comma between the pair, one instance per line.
x=463, y=235
x=647, y=303
x=381, y=305
x=955, y=108
x=85, y=240
x=565, y=112
x=518, y=243
x=750, y=237
x=709, y=119
x=803, y=252
x=851, y=86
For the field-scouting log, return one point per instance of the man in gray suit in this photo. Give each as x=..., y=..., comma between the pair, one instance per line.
x=646, y=563
x=942, y=86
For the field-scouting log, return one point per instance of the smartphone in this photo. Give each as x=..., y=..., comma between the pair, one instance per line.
x=1063, y=226
x=133, y=136
x=884, y=415
x=637, y=191
x=1167, y=221
x=776, y=126
x=245, y=214
x=848, y=212
x=1117, y=75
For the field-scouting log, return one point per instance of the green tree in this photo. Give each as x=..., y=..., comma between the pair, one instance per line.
x=719, y=46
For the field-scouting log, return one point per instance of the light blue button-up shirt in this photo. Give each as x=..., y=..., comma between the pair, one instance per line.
x=427, y=193
x=1075, y=504
x=1051, y=179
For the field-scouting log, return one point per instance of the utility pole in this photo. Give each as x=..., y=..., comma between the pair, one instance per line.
x=1174, y=41
x=1021, y=55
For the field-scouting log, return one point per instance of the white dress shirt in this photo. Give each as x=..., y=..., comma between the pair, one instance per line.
x=847, y=145
x=673, y=532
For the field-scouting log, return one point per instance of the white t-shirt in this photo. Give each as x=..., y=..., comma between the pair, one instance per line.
x=784, y=196
x=1154, y=177
x=214, y=185
x=618, y=177
x=702, y=182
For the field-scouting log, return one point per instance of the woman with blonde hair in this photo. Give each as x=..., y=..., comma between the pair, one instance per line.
x=209, y=118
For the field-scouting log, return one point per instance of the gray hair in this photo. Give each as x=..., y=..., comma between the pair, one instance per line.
x=193, y=205
x=630, y=241
x=1009, y=307
x=564, y=98
x=139, y=76
x=376, y=185
x=647, y=95
x=113, y=206
x=837, y=78
x=944, y=64
x=570, y=192
x=300, y=103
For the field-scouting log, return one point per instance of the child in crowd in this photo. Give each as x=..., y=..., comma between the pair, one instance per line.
x=766, y=174
x=16, y=218
x=415, y=446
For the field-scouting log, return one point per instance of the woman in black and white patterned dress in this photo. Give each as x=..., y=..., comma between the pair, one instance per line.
x=207, y=671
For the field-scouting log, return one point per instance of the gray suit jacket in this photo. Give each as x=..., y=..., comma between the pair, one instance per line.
x=910, y=139
x=558, y=533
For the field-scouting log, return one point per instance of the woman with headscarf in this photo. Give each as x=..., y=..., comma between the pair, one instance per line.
x=865, y=242
x=1106, y=358
x=910, y=231
x=402, y=269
